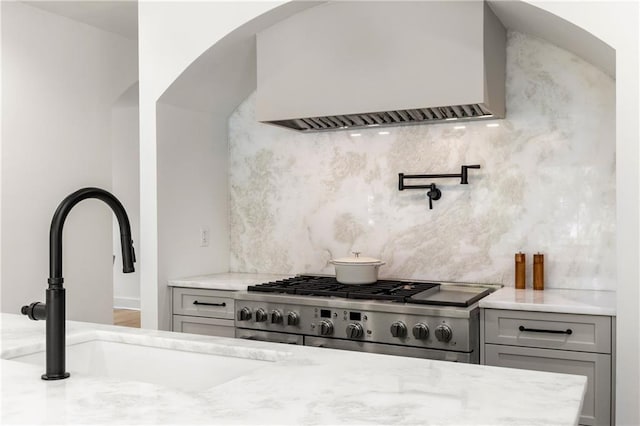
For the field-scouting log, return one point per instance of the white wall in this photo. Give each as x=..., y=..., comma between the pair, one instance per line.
x=60, y=79
x=1, y=136
x=125, y=167
x=171, y=36
x=192, y=195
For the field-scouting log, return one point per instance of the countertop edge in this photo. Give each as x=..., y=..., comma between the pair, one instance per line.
x=566, y=301
x=547, y=308
x=228, y=281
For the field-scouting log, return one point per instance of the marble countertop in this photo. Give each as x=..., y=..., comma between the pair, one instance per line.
x=301, y=385
x=225, y=280
x=590, y=302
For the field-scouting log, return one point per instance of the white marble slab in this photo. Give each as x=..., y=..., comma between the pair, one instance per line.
x=547, y=184
x=226, y=281
x=567, y=301
x=302, y=385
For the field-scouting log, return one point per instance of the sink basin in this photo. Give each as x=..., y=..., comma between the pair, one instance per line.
x=177, y=369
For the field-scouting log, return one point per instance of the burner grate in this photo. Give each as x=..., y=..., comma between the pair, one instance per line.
x=307, y=285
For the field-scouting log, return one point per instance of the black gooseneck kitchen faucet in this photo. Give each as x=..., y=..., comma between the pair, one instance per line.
x=54, y=309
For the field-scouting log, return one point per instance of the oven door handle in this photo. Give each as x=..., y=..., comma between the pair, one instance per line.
x=269, y=336
x=568, y=331
x=195, y=302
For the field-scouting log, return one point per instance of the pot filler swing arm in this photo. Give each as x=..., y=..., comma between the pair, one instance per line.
x=434, y=192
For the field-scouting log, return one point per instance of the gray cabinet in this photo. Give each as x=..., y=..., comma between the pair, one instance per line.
x=203, y=311
x=559, y=343
x=597, y=368
x=569, y=332
x=206, y=326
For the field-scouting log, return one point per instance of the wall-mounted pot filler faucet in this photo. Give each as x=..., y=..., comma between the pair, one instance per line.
x=54, y=309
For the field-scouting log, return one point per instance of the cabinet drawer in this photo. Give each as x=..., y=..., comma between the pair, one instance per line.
x=597, y=368
x=588, y=333
x=206, y=326
x=202, y=303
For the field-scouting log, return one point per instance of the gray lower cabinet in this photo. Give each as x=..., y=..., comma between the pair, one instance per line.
x=203, y=311
x=206, y=326
x=559, y=343
x=597, y=368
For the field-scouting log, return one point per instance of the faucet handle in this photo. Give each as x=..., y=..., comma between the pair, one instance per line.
x=128, y=254
x=133, y=253
x=35, y=311
x=434, y=194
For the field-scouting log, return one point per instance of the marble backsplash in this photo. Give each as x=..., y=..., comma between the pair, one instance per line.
x=547, y=184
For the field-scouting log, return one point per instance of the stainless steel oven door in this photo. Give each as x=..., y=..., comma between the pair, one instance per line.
x=381, y=348
x=269, y=336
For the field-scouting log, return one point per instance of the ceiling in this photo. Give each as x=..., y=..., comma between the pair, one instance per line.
x=119, y=17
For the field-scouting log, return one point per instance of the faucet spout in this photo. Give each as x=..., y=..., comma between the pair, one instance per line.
x=57, y=223
x=54, y=309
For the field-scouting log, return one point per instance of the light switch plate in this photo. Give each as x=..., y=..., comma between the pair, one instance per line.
x=204, y=237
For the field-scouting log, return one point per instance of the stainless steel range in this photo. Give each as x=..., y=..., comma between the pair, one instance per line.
x=410, y=318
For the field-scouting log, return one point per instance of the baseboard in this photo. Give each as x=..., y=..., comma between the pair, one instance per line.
x=126, y=303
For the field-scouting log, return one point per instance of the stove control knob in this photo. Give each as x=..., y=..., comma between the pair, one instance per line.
x=398, y=329
x=325, y=327
x=293, y=318
x=443, y=333
x=276, y=317
x=261, y=315
x=355, y=330
x=421, y=331
x=244, y=314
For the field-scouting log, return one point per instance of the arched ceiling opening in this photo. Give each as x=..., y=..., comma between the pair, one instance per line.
x=225, y=74
x=528, y=19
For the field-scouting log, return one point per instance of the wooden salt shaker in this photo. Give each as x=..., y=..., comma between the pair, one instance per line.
x=538, y=271
x=520, y=270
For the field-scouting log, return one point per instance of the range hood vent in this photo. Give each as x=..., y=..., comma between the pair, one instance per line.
x=388, y=118
x=374, y=63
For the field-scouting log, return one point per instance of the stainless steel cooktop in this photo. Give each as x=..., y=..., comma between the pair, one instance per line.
x=401, y=291
x=401, y=317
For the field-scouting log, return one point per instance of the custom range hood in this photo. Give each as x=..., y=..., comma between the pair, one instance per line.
x=351, y=64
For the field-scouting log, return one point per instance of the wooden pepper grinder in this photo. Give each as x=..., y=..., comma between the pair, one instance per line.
x=538, y=271
x=520, y=270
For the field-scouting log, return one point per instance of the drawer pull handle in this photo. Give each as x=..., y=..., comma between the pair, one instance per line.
x=195, y=302
x=537, y=330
